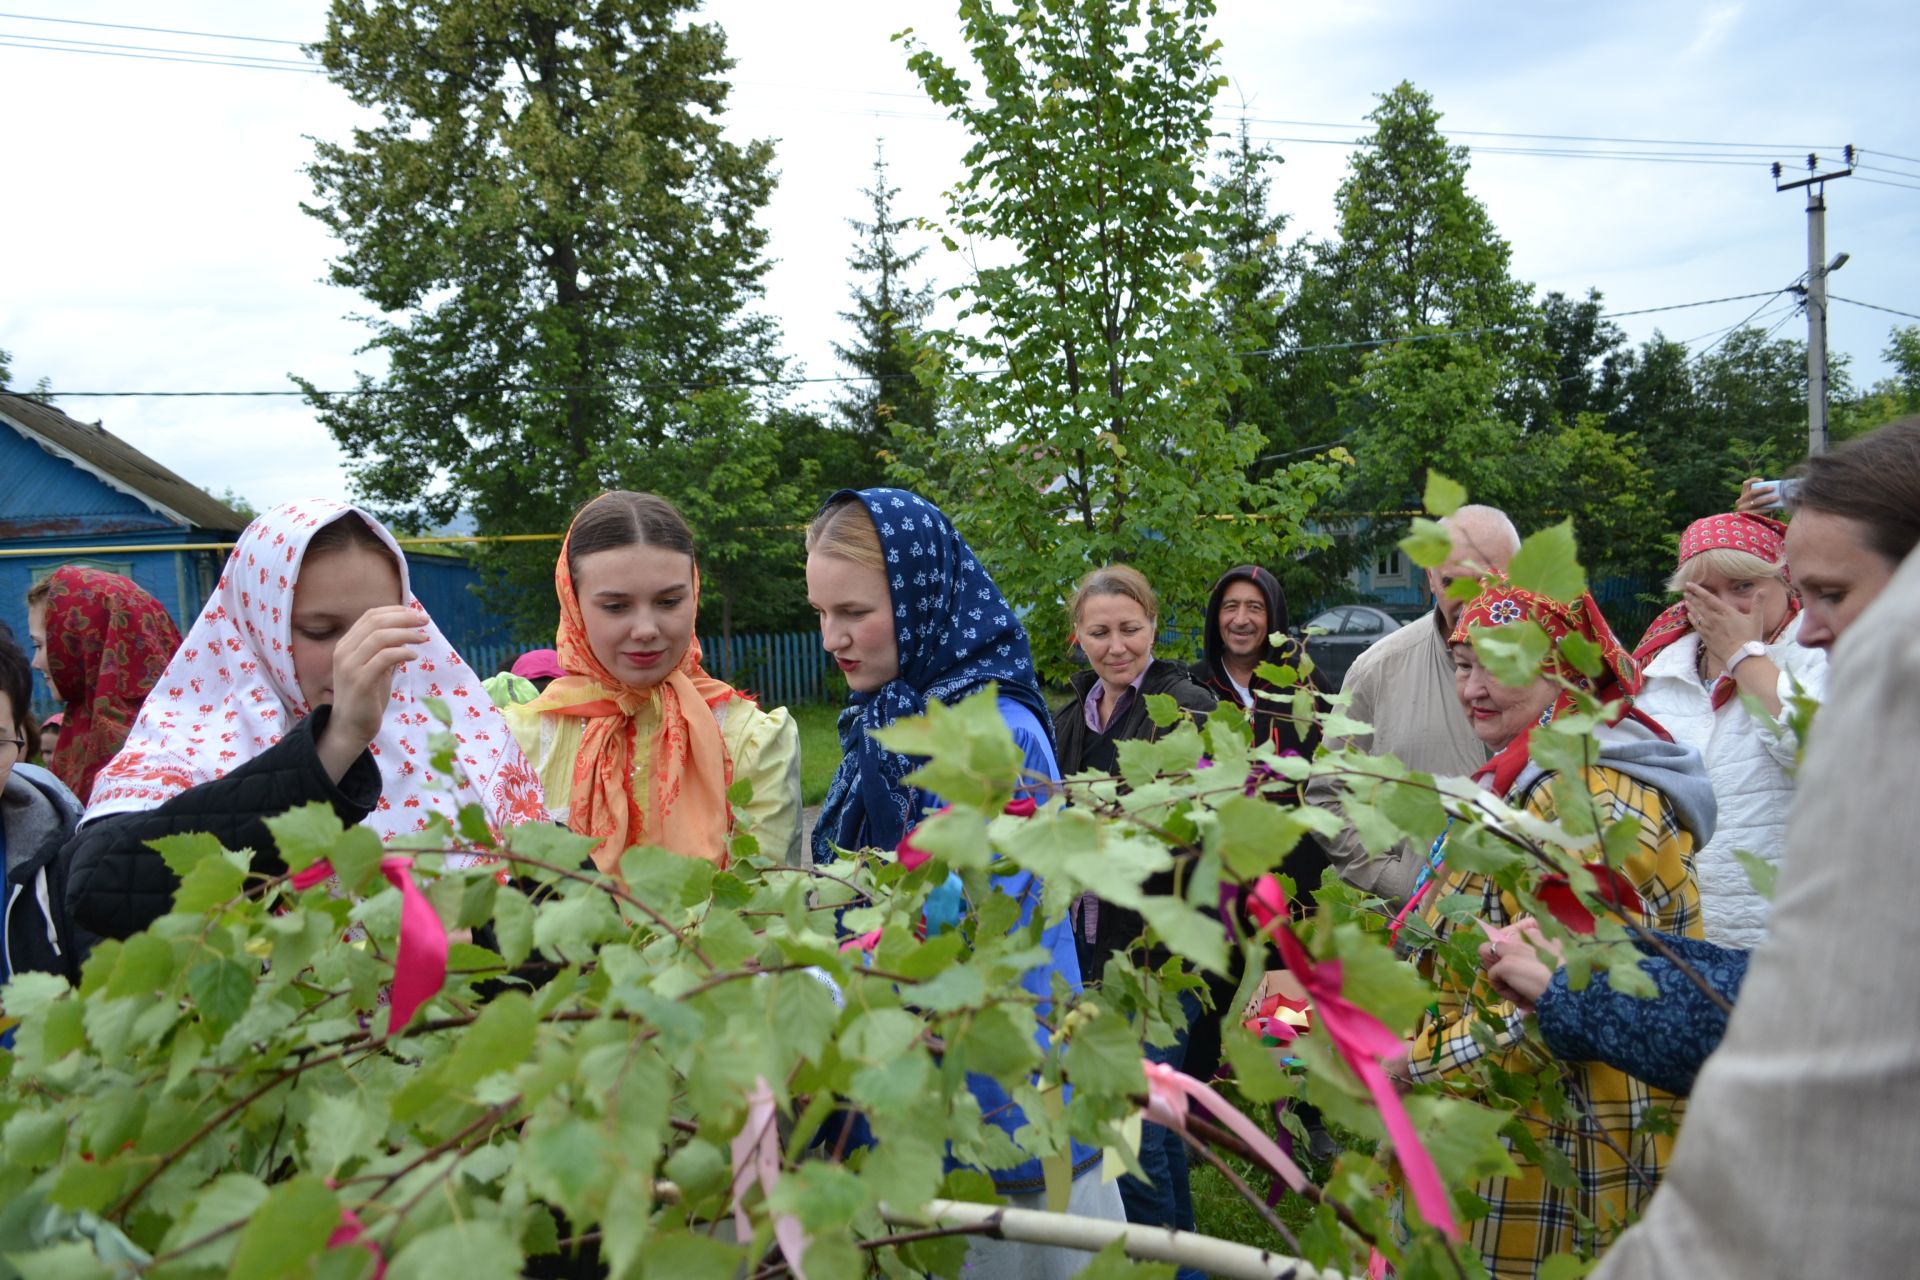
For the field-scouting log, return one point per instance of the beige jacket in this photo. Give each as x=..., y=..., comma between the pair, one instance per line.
x=1403, y=687
x=1802, y=1138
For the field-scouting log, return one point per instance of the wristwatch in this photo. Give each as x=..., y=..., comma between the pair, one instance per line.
x=1751, y=649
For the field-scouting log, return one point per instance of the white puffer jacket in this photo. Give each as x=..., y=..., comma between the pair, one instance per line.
x=1750, y=764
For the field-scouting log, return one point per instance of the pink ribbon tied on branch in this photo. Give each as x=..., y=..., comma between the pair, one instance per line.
x=420, y=962
x=1169, y=1092
x=756, y=1158
x=1362, y=1041
x=352, y=1233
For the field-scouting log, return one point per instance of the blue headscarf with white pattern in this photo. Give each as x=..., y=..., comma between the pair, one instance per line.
x=955, y=632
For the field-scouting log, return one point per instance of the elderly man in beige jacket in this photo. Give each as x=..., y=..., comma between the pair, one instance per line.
x=1403, y=687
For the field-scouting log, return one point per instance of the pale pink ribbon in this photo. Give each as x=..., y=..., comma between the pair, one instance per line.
x=1362, y=1041
x=756, y=1158
x=1168, y=1094
x=420, y=962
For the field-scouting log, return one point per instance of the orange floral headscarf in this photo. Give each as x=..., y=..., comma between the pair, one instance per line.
x=677, y=799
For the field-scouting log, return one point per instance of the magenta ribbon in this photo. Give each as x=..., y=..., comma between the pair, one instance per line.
x=352, y=1232
x=756, y=1158
x=420, y=965
x=1362, y=1041
x=1168, y=1094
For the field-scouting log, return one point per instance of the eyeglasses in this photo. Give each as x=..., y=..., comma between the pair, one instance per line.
x=11, y=744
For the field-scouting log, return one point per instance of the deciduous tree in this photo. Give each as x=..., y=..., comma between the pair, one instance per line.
x=1087, y=381
x=561, y=247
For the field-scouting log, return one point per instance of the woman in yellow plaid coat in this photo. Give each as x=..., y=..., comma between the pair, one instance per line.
x=1612, y=1138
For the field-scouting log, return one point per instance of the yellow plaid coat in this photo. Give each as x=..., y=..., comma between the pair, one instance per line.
x=1529, y=1219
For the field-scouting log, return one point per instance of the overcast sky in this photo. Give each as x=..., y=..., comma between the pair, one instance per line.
x=153, y=240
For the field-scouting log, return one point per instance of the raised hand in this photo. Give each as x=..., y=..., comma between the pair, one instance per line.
x=362, y=687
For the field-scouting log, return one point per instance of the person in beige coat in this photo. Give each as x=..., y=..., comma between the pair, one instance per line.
x=1403, y=688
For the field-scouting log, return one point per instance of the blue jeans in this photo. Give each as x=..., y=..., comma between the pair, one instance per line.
x=1165, y=1199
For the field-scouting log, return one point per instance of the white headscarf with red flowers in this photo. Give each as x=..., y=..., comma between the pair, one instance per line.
x=230, y=693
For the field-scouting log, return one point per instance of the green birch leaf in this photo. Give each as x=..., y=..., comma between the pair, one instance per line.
x=1427, y=544
x=1162, y=709
x=287, y=1232
x=1390, y=989
x=1443, y=496
x=499, y=1040
x=1761, y=874
x=1252, y=836
x=513, y=925
x=1103, y=1056
x=1512, y=654
x=221, y=990
x=684, y=1255
x=1195, y=934
x=210, y=882
x=306, y=835
x=230, y=1198
x=475, y=1249
x=145, y=965
x=969, y=753
x=1548, y=564
x=1112, y=1263
x=1583, y=653
x=342, y=1129
x=182, y=852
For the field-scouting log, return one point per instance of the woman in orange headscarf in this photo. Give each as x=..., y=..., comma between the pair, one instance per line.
x=637, y=744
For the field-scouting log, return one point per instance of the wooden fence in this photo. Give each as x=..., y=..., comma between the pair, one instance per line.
x=781, y=669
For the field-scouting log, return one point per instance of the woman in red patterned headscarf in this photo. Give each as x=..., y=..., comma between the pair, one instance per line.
x=1615, y=1144
x=1720, y=668
x=101, y=642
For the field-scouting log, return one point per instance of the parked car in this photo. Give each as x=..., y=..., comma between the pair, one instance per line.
x=1341, y=634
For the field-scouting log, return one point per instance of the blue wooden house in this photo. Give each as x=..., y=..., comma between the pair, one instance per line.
x=73, y=493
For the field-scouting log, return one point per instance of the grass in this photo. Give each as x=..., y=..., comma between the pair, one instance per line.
x=1220, y=1211
x=819, y=748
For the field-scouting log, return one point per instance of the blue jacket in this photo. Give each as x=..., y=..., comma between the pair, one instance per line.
x=1663, y=1040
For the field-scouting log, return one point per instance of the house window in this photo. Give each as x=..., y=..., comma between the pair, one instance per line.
x=1390, y=568
x=122, y=567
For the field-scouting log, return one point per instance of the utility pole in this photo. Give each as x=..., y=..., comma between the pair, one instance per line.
x=1815, y=290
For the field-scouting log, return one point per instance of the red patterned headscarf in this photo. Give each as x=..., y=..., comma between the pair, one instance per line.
x=1619, y=680
x=107, y=643
x=1759, y=537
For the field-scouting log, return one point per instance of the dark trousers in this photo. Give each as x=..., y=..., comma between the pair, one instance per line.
x=1165, y=1199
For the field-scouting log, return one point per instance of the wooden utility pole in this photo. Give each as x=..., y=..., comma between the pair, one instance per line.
x=1815, y=290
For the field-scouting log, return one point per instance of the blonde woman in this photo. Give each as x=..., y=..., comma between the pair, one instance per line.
x=1719, y=669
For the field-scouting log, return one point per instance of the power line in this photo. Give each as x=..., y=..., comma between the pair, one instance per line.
x=1889, y=155
x=58, y=42
x=1730, y=330
x=752, y=383
x=1886, y=168
x=1682, y=306
x=1882, y=182
x=167, y=31
x=1566, y=137
x=1872, y=306
x=213, y=61
x=1544, y=152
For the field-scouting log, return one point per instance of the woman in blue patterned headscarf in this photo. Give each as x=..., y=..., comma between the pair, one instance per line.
x=912, y=618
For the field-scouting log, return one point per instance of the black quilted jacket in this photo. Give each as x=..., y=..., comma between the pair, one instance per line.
x=117, y=886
